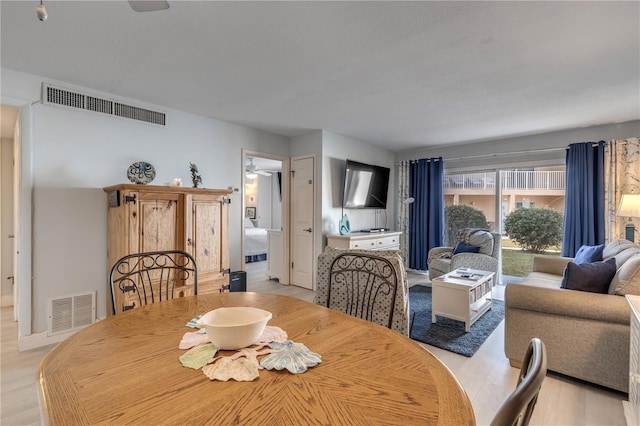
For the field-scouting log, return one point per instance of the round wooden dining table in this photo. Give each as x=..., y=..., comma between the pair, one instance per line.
x=126, y=370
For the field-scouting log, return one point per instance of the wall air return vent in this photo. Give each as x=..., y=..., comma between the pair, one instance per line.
x=70, y=313
x=52, y=95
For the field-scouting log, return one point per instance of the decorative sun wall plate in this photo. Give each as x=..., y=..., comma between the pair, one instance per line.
x=141, y=172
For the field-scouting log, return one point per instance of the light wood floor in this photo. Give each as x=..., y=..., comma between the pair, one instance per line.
x=487, y=377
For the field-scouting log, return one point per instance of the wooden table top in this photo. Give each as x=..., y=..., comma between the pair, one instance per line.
x=125, y=370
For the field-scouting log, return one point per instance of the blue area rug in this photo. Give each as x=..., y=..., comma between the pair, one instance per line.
x=449, y=334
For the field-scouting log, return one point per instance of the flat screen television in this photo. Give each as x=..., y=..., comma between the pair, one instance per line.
x=365, y=186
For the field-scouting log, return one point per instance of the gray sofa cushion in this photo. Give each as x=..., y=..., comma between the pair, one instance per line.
x=615, y=247
x=542, y=279
x=627, y=279
x=624, y=255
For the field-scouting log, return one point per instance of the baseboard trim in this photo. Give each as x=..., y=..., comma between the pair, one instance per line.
x=6, y=300
x=38, y=340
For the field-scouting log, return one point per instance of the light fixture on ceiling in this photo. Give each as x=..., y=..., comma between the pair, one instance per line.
x=41, y=13
x=252, y=171
x=629, y=207
x=148, y=5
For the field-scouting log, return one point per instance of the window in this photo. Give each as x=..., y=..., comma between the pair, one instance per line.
x=477, y=192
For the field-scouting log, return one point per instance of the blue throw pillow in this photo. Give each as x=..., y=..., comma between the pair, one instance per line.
x=593, y=277
x=589, y=254
x=465, y=248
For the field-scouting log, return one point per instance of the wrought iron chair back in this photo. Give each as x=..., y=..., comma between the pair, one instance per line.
x=518, y=408
x=153, y=277
x=364, y=286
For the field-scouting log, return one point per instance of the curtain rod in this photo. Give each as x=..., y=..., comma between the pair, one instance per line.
x=471, y=157
x=499, y=154
x=532, y=151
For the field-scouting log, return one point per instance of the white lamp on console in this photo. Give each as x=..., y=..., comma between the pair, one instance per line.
x=629, y=207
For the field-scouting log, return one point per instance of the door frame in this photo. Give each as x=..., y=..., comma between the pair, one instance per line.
x=317, y=219
x=23, y=188
x=286, y=182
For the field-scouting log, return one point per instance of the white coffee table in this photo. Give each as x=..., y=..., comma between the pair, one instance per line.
x=460, y=297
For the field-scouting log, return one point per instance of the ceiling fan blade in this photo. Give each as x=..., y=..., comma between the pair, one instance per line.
x=148, y=5
x=263, y=173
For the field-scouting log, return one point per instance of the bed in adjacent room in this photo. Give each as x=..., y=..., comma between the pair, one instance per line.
x=255, y=242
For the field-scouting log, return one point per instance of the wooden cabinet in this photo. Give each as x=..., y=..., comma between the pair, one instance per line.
x=144, y=218
x=366, y=241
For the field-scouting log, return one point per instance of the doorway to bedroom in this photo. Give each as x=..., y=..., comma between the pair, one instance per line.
x=264, y=209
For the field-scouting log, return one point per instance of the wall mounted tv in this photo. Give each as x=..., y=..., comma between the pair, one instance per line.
x=365, y=186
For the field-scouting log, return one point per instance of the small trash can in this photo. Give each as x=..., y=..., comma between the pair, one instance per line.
x=238, y=281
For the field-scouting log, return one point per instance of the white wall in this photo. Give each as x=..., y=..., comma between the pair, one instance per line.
x=77, y=153
x=336, y=149
x=264, y=201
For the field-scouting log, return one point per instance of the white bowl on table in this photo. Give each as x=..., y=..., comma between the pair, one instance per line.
x=234, y=327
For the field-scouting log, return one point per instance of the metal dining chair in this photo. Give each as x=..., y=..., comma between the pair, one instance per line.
x=517, y=409
x=150, y=277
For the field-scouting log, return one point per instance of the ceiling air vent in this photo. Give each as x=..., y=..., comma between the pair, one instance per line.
x=137, y=113
x=52, y=95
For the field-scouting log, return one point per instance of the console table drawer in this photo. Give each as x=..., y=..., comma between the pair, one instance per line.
x=363, y=244
x=390, y=242
x=364, y=241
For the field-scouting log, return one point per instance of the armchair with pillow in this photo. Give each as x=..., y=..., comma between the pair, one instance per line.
x=475, y=249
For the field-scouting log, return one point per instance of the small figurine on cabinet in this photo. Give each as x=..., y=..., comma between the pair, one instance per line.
x=195, y=176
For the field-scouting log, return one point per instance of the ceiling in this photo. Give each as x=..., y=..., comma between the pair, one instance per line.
x=401, y=75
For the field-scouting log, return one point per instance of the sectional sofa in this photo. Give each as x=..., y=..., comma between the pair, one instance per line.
x=586, y=333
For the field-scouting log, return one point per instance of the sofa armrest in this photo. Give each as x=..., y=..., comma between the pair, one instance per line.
x=568, y=303
x=550, y=264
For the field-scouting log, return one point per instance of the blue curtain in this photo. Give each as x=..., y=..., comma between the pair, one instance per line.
x=426, y=213
x=584, y=215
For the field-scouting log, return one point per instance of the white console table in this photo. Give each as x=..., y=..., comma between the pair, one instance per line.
x=389, y=240
x=632, y=407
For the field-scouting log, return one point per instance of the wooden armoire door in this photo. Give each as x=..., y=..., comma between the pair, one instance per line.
x=207, y=239
x=157, y=222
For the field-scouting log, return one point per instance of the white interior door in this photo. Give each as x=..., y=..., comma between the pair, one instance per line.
x=302, y=224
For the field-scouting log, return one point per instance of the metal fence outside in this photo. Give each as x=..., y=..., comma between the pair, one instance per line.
x=511, y=179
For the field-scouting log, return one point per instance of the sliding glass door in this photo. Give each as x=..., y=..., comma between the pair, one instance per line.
x=471, y=201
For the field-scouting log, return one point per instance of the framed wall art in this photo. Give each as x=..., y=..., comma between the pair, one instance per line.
x=250, y=212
